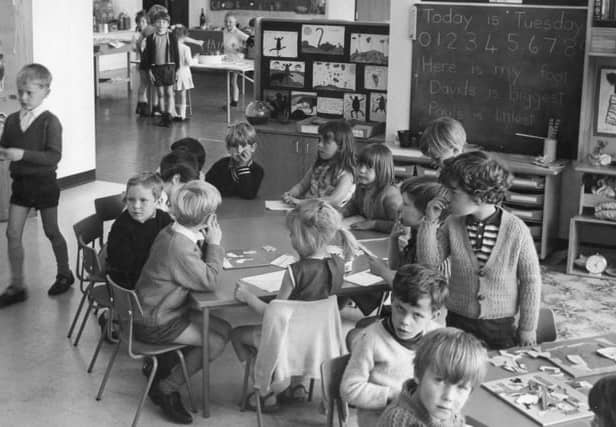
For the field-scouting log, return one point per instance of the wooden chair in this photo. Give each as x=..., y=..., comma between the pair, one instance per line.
x=546, y=327
x=126, y=309
x=331, y=377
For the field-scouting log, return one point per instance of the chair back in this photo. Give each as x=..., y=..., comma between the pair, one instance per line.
x=546, y=326
x=331, y=377
x=110, y=207
x=126, y=308
x=91, y=261
x=89, y=233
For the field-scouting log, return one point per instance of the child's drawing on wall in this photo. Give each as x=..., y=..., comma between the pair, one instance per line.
x=323, y=39
x=333, y=76
x=606, y=109
x=370, y=48
x=354, y=106
x=280, y=44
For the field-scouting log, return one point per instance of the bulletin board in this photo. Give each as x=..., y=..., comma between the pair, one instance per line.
x=325, y=68
x=298, y=6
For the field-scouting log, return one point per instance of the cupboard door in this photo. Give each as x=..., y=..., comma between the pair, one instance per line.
x=308, y=151
x=283, y=164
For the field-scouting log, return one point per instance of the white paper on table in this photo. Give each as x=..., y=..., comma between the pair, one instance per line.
x=363, y=278
x=277, y=205
x=226, y=264
x=349, y=221
x=269, y=282
x=283, y=261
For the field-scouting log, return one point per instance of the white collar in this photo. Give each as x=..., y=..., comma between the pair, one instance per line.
x=194, y=236
x=36, y=111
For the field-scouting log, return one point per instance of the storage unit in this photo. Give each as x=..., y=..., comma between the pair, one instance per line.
x=585, y=217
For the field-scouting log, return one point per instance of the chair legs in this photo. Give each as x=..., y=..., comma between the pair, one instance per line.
x=187, y=379
x=259, y=411
x=74, y=322
x=310, y=388
x=108, y=371
x=147, y=389
x=247, y=370
x=83, y=322
x=95, y=355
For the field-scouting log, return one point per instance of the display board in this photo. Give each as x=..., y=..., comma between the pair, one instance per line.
x=298, y=6
x=324, y=68
x=500, y=70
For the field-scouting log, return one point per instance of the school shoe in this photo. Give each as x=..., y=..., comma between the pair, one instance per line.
x=156, y=111
x=62, y=284
x=165, y=120
x=7, y=298
x=180, y=119
x=141, y=108
x=172, y=407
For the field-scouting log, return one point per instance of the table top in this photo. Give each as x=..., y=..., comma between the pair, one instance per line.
x=492, y=411
x=240, y=65
x=247, y=225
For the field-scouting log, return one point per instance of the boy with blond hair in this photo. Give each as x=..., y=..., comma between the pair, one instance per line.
x=443, y=138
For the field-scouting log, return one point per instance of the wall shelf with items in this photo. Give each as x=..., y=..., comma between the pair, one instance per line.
x=534, y=196
x=585, y=217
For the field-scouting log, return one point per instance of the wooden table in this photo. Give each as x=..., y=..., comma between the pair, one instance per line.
x=242, y=66
x=246, y=224
x=488, y=409
x=106, y=49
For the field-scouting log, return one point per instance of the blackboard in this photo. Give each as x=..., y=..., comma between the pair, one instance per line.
x=500, y=70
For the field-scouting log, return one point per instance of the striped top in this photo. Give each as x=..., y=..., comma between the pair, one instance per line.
x=482, y=235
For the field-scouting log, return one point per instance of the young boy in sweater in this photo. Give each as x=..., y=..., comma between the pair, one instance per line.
x=238, y=175
x=32, y=142
x=449, y=364
x=494, y=265
x=382, y=356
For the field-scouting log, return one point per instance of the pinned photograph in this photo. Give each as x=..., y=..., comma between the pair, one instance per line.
x=375, y=77
x=378, y=107
x=303, y=105
x=333, y=76
x=323, y=39
x=286, y=73
x=370, y=48
x=329, y=106
x=280, y=44
x=355, y=106
x=278, y=100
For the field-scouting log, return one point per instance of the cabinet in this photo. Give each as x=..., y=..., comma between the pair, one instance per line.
x=585, y=218
x=533, y=197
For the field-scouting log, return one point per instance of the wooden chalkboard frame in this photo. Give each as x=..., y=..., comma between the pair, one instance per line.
x=562, y=99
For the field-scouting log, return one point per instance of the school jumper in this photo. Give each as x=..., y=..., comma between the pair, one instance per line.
x=510, y=280
x=379, y=362
x=129, y=243
x=408, y=410
x=382, y=207
x=231, y=180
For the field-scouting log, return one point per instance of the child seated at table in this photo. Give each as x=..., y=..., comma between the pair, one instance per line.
x=176, y=168
x=376, y=197
x=442, y=139
x=332, y=176
x=602, y=402
x=238, y=174
x=495, y=270
x=180, y=263
x=317, y=275
x=382, y=356
x=449, y=364
x=194, y=147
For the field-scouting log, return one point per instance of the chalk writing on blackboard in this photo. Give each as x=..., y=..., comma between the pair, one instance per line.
x=499, y=70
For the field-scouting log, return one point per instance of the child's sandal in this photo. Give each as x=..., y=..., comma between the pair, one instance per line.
x=266, y=408
x=294, y=394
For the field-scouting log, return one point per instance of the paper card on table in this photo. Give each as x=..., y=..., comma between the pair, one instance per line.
x=277, y=205
x=283, y=261
x=226, y=264
x=363, y=278
x=349, y=221
x=269, y=282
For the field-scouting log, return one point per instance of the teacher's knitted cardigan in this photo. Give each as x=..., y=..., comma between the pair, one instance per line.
x=509, y=282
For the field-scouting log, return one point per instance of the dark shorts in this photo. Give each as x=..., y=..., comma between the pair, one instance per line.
x=38, y=192
x=164, y=75
x=162, y=334
x=496, y=333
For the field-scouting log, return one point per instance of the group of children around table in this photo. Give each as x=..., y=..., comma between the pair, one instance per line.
x=405, y=369
x=165, y=61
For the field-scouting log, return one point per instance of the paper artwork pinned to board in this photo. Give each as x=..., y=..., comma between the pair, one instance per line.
x=303, y=104
x=329, y=106
x=286, y=73
x=333, y=76
x=323, y=39
x=370, y=48
x=375, y=77
x=280, y=43
x=378, y=107
x=355, y=106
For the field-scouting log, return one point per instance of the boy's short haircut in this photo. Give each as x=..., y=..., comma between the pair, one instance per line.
x=602, y=399
x=478, y=175
x=141, y=14
x=453, y=355
x=241, y=134
x=161, y=15
x=34, y=73
x=179, y=162
x=149, y=180
x=441, y=135
x=413, y=282
x=421, y=189
x=194, y=202
x=194, y=147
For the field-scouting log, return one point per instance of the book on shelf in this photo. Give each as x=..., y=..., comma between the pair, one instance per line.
x=604, y=13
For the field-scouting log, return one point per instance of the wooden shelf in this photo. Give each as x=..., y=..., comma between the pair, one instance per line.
x=584, y=167
x=592, y=220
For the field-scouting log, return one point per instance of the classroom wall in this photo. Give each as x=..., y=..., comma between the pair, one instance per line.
x=67, y=51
